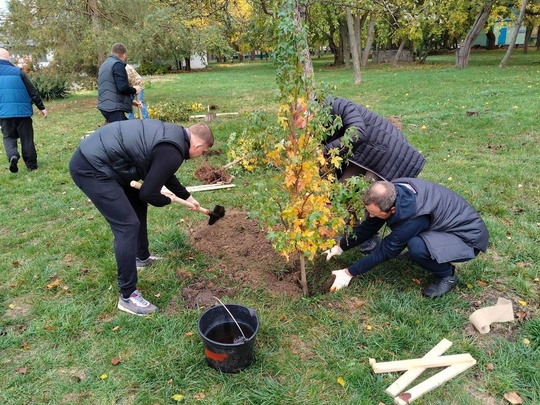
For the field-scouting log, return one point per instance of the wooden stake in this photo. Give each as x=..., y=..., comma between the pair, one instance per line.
x=403, y=382
x=400, y=365
x=433, y=382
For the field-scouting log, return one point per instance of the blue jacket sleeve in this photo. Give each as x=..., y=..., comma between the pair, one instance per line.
x=392, y=245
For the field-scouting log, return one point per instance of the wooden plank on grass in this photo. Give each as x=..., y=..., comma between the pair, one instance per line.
x=400, y=365
x=433, y=382
x=408, y=377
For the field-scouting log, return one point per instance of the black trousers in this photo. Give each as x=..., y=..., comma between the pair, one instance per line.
x=20, y=128
x=125, y=213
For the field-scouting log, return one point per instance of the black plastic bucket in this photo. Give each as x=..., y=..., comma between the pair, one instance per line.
x=226, y=347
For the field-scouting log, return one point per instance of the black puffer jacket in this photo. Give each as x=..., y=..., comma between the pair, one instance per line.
x=123, y=149
x=379, y=147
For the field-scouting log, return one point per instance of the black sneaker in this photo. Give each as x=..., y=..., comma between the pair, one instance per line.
x=13, y=168
x=441, y=286
x=369, y=245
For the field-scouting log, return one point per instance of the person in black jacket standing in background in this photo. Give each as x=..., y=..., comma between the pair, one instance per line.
x=114, y=91
x=107, y=161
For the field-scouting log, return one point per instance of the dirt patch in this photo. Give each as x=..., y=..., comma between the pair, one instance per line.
x=209, y=174
x=243, y=258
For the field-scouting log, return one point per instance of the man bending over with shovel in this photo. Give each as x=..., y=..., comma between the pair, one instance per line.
x=436, y=225
x=107, y=161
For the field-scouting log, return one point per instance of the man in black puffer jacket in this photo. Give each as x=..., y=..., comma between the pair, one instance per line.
x=104, y=165
x=379, y=151
x=436, y=225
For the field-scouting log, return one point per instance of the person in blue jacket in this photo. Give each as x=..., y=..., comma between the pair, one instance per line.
x=435, y=224
x=17, y=93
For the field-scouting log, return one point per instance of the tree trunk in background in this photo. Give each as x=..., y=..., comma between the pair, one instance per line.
x=399, y=51
x=358, y=26
x=347, y=47
x=300, y=13
x=464, y=50
x=93, y=12
x=515, y=34
x=369, y=40
x=528, y=33
x=354, y=47
x=491, y=39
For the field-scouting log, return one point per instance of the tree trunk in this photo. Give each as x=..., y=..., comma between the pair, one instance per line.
x=514, y=36
x=345, y=40
x=300, y=14
x=528, y=34
x=464, y=50
x=303, y=278
x=354, y=47
x=399, y=51
x=369, y=40
x=490, y=39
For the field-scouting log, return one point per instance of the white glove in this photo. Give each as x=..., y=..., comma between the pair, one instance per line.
x=342, y=280
x=335, y=251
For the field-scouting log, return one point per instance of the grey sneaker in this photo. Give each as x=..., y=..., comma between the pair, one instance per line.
x=141, y=264
x=136, y=304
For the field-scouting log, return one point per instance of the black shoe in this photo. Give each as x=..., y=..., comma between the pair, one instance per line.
x=369, y=245
x=31, y=169
x=13, y=168
x=441, y=286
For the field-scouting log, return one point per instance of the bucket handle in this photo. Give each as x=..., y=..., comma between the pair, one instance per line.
x=226, y=309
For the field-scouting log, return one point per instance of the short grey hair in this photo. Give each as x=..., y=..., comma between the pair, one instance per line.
x=382, y=194
x=119, y=49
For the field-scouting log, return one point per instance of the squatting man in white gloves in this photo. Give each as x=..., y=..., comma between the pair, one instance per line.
x=436, y=225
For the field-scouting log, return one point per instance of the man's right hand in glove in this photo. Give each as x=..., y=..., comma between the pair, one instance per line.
x=343, y=278
x=335, y=251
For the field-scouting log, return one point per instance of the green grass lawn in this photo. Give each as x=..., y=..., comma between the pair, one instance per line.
x=60, y=331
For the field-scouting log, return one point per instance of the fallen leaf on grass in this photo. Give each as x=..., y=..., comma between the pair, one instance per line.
x=16, y=263
x=188, y=334
x=21, y=370
x=481, y=283
x=341, y=381
x=103, y=376
x=526, y=341
x=490, y=366
x=54, y=284
x=115, y=361
x=513, y=398
x=178, y=397
x=405, y=396
x=199, y=396
x=416, y=281
x=116, y=328
x=522, y=303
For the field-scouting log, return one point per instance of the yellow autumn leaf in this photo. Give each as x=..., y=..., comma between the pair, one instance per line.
x=178, y=397
x=11, y=306
x=336, y=161
x=526, y=341
x=341, y=381
x=522, y=303
x=55, y=283
x=103, y=376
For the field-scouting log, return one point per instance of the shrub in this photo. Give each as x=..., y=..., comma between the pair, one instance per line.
x=152, y=68
x=49, y=85
x=174, y=112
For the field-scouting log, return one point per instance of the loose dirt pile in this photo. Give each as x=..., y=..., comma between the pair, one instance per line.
x=243, y=257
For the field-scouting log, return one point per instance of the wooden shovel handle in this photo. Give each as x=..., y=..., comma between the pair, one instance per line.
x=137, y=185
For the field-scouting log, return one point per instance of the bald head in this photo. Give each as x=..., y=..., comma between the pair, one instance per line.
x=4, y=54
x=382, y=194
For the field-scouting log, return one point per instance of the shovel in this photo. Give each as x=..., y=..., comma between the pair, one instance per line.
x=215, y=215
